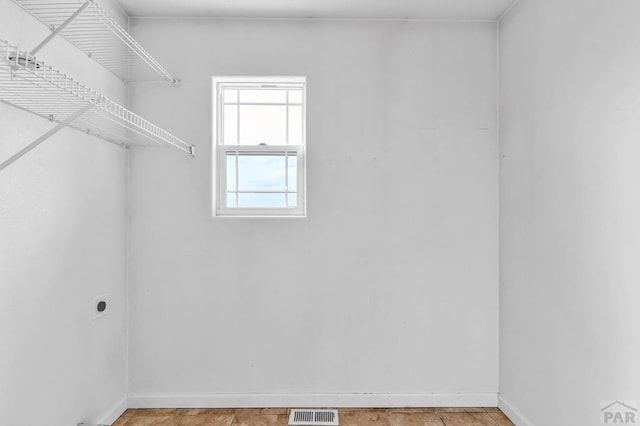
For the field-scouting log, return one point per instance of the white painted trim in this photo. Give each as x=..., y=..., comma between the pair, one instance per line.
x=440, y=399
x=514, y=415
x=116, y=411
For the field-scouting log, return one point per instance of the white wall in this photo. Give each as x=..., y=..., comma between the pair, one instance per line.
x=62, y=242
x=570, y=203
x=388, y=287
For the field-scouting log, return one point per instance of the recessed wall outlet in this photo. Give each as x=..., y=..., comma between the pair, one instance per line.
x=100, y=306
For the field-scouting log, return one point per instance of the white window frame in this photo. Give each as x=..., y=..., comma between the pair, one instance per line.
x=220, y=151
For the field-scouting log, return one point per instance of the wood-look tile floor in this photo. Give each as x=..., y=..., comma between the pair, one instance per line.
x=468, y=416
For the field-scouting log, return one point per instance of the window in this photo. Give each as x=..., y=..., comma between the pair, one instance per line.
x=259, y=141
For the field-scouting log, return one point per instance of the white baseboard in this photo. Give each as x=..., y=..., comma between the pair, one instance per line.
x=116, y=411
x=514, y=415
x=444, y=399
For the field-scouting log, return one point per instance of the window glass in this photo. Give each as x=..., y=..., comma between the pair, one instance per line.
x=263, y=124
x=263, y=96
x=230, y=95
x=295, y=96
x=261, y=200
x=230, y=125
x=295, y=125
x=292, y=171
x=260, y=139
x=265, y=179
x=261, y=172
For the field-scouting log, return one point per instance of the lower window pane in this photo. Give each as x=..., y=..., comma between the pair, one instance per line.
x=292, y=175
x=293, y=199
x=258, y=200
x=231, y=172
x=266, y=179
x=232, y=200
x=261, y=172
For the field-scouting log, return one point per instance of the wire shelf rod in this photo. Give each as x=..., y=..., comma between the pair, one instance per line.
x=91, y=29
x=35, y=86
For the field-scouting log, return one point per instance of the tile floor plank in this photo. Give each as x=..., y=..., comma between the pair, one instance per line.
x=411, y=416
x=363, y=418
x=209, y=411
x=260, y=420
x=121, y=421
x=128, y=412
x=415, y=419
x=153, y=420
x=136, y=412
x=467, y=419
x=207, y=420
x=348, y=410
x=500, y=418
x=242, y=411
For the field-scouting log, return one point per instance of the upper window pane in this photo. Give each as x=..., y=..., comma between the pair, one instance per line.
x=262, y=116
x=295, y=125
x=230, y=95
x=263, y=96
x=230, y=125
x=263, y=124
x=295, y=96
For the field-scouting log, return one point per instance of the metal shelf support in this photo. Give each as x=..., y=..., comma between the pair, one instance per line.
x=34, y=86
x=96, y=33
x=60, y=27
x=44, y=137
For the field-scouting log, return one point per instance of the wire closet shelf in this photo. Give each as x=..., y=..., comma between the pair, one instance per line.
x=32, y=85
x=92, y=30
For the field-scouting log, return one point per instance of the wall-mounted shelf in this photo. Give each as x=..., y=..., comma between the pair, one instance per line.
x=32, y=85
x=90, y=28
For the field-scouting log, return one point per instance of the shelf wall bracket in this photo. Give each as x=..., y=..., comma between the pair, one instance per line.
x=44, y=137
x=60, y=27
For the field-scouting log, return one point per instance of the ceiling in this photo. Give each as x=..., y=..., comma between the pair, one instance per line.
x=321, y=9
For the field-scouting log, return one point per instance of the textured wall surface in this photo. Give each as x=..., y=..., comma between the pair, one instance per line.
x=389, y=286
x=62, y=242
x=570, y=235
